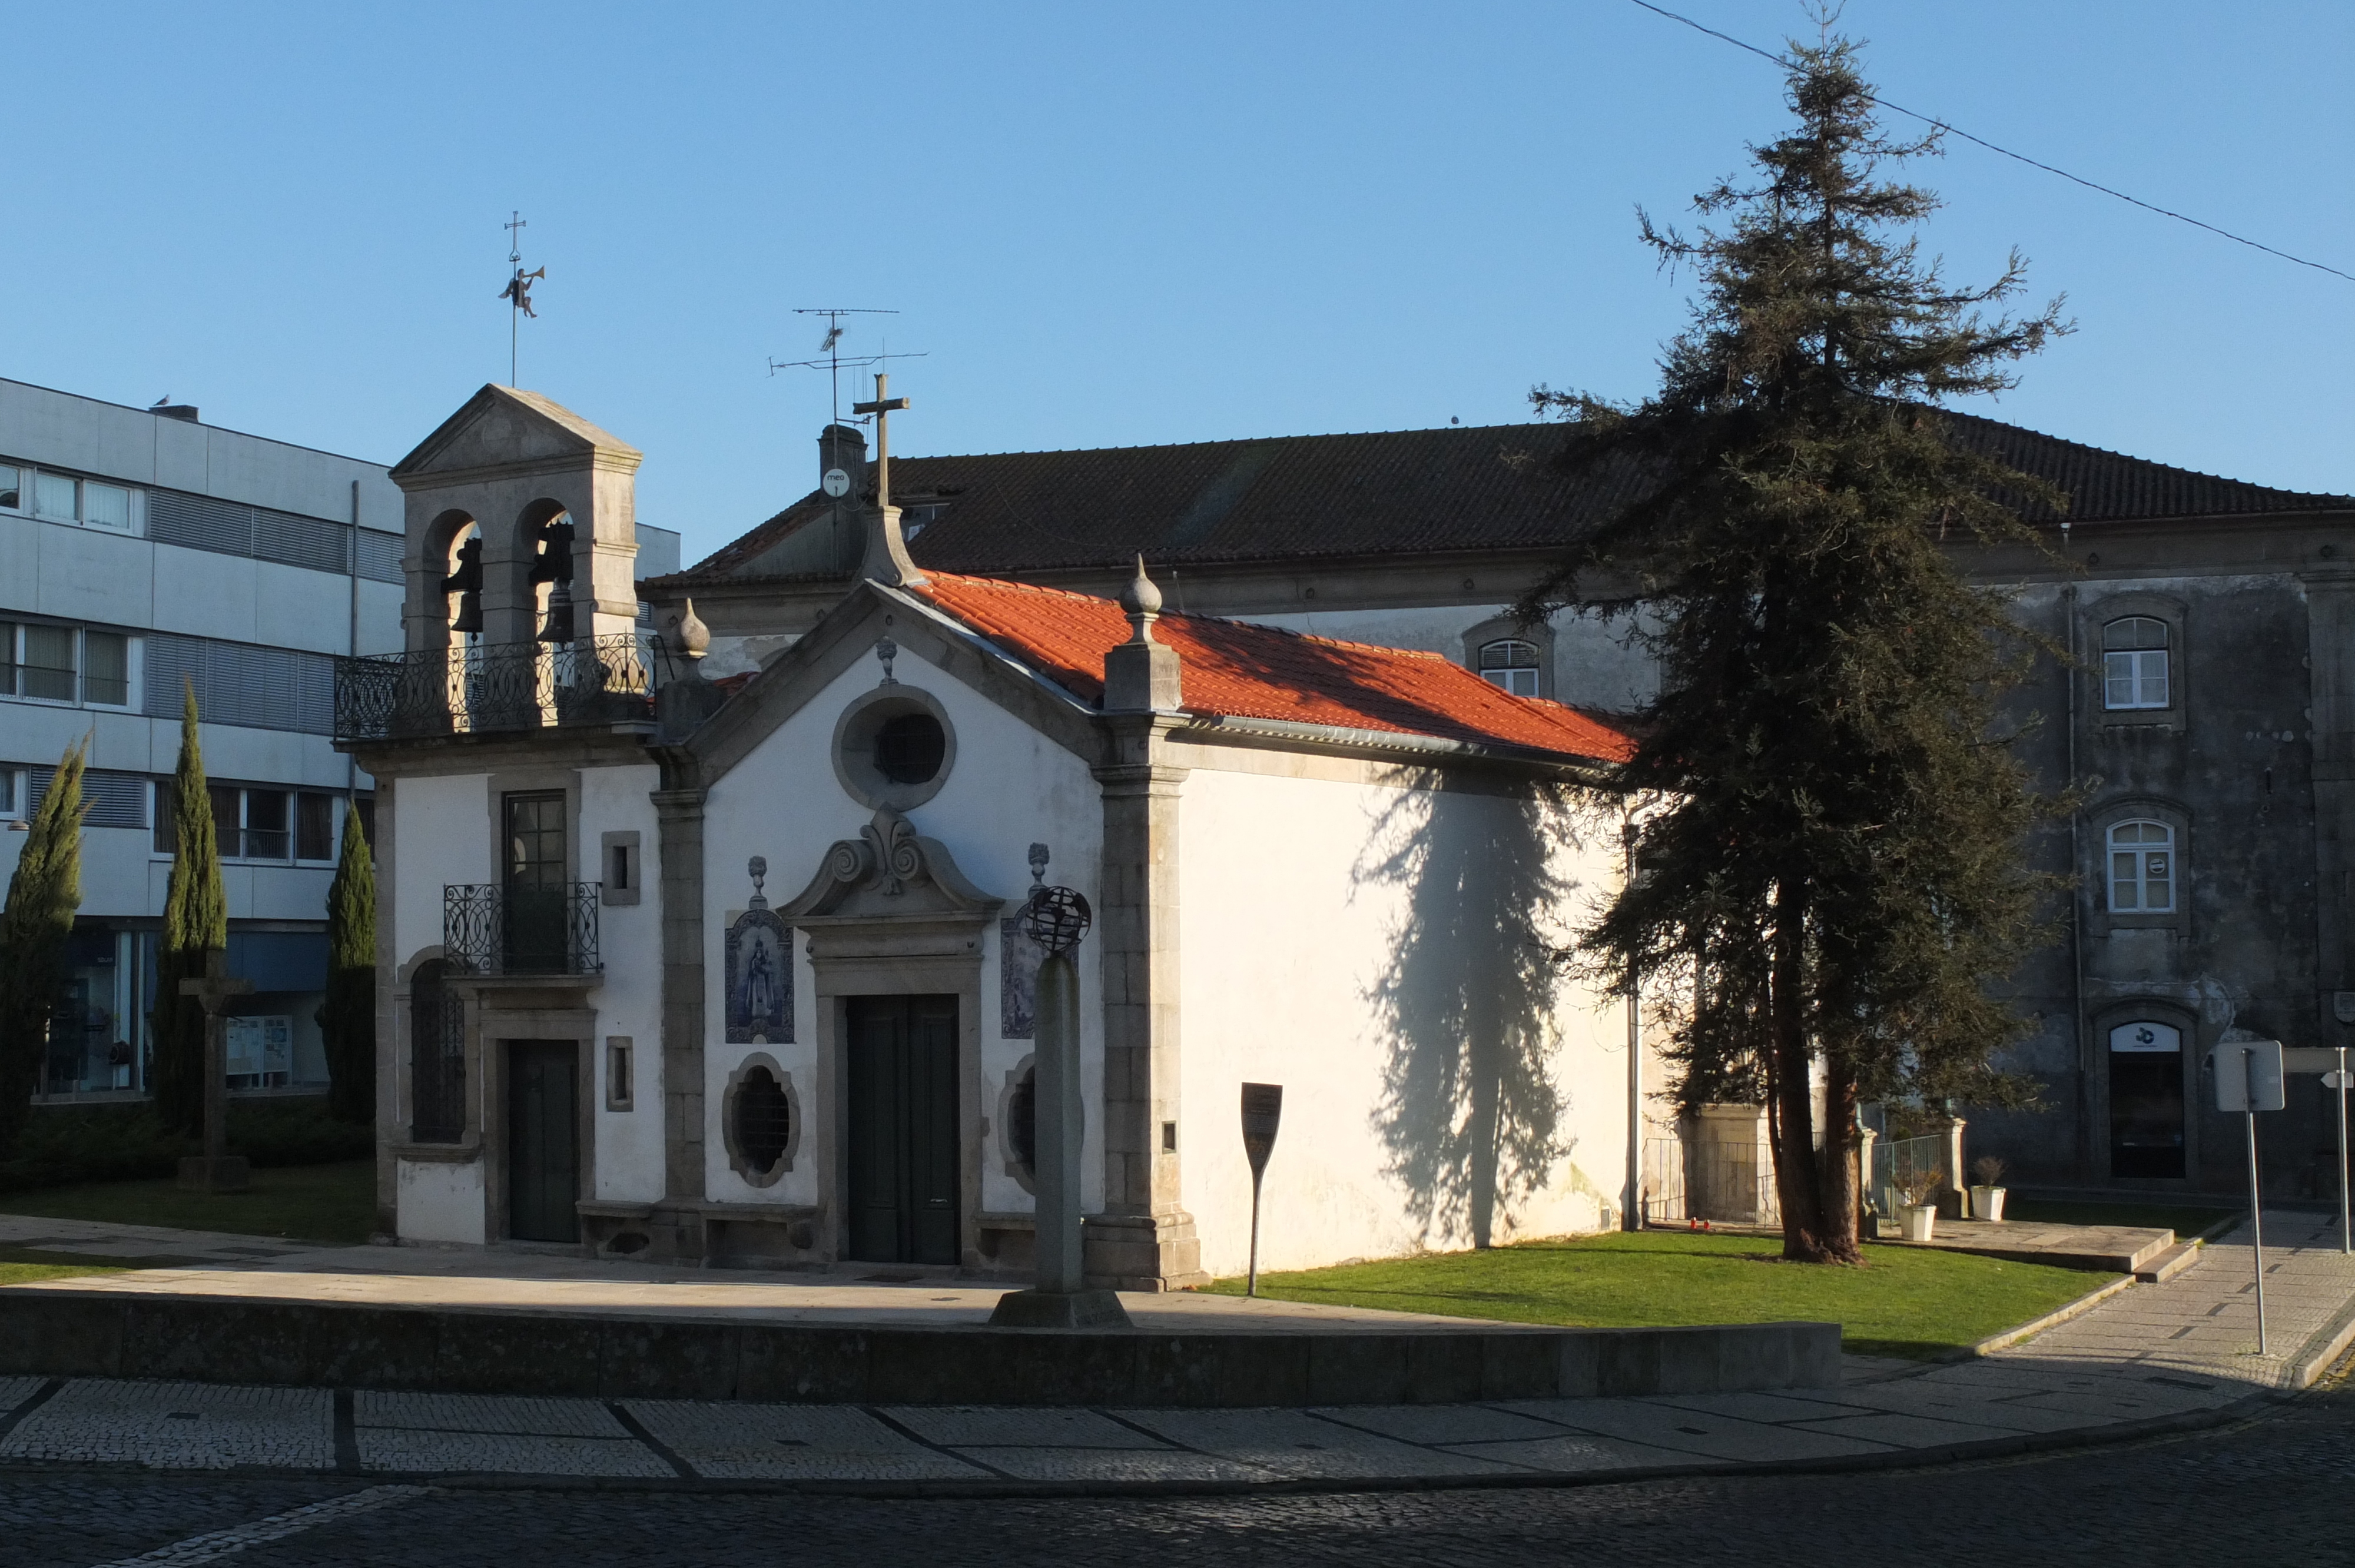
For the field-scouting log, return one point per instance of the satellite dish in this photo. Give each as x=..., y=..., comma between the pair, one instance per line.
x=837, y=482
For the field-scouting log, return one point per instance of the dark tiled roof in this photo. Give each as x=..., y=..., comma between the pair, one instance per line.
x=1401, y=493
x=1234, y=669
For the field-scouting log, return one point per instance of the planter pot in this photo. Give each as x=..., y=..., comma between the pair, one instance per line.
x=1920, y=1220
x=1987, y=1203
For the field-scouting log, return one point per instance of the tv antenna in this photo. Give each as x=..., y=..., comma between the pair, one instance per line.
x=831, y=359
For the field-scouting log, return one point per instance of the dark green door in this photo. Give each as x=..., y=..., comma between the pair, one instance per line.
x=537, y=906
x=543, y=1141
x=903, y=1129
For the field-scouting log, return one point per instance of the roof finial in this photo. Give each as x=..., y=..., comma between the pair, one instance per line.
x=1141, y=600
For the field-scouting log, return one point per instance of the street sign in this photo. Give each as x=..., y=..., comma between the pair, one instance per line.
x=2333, y=1080
x=2249, y=1076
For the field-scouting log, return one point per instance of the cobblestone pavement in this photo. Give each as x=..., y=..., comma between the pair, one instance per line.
x=2272, y=1489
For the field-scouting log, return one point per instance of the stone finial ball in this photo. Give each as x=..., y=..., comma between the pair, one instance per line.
x=1141, y=597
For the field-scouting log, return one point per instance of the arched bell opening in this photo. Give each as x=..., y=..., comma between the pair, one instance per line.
x=545, y=556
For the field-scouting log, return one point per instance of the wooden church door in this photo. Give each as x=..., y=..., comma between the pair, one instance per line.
x=543, y=1141
x=903, y=1129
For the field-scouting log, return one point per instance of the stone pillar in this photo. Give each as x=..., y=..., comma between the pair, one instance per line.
x=680, y=1221
x=1865, y=1201
x=1144, y=1240
x=216, y=1170
x=1953, y=1203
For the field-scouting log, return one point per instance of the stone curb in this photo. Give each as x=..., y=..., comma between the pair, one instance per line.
x=986, y=1487
x=2323, y=1350
x=2052, y=1319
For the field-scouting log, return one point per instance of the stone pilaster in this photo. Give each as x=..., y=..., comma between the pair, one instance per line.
x=678, y=1221
x=1144, y=1240
x=2330, y=662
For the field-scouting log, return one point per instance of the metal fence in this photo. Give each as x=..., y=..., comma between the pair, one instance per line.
x=1896, y=1161
x=1725, y=1184
x=502, y=687
x=488, y=928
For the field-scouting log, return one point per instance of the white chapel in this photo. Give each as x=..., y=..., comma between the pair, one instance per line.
x=733, y=973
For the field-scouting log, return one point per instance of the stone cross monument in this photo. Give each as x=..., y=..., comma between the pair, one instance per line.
x=216, y=1170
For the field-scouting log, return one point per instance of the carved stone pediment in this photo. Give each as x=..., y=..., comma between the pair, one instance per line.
x=890, y=871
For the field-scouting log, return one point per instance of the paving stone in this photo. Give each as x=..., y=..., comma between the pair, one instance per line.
x=1573, y=1453
x=1947, y=1404
x=1690, y=1431
x=792, y=1442
x=1063, y=1464
x=447, y=1453
x=1768, y=1407
x=1439, y=1424
x=970, y=1426
x=180, y=1426
x=1902, y=1431
x=1294, y=1443
x=487, y=1414
x=15, y=1391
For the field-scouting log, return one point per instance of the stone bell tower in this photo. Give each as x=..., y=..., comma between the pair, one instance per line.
x=512, y=464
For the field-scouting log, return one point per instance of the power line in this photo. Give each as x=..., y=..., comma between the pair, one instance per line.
x=2005, y=152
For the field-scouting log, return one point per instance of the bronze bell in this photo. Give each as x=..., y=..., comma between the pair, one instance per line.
x=467, y=583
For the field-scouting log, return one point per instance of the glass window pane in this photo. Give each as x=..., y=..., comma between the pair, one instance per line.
x=105, y=667
x=2124, y=884
x=2159, y=887
x=7, y=792
x=166, y=838
x=53, y=496
x=2118, y=680
x=229, y=830
x=7, y=658
x=12, y=487
x=48, y=670
x=2154, y=678
x=265, y=824
x=106, y=506
x=314, y=828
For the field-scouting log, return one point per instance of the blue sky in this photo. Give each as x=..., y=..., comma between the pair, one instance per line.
x=1114, y=224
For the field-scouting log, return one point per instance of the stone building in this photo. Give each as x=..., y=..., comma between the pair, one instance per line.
x=731, y=971
x=2207, y=721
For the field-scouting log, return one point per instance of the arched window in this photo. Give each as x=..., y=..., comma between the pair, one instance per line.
x=2142, y=868
x=1511, y=664
x=437, y=1056
x=2133, y=663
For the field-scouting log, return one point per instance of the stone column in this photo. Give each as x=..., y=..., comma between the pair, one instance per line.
x=1144, y=1240
x=679, y=1224
x=1953, y=1203
x=216, y=1170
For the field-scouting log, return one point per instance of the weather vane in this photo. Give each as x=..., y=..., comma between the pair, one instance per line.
x=517, y=293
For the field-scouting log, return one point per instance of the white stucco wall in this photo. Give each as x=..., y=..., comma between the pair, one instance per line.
x=629, y=1144
x=439, y=1201
x=1378, y=951
x=1009, y=787
x=441, y=834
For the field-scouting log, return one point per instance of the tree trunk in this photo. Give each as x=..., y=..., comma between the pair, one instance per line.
x=1795, y=1182
x=1837, y=1167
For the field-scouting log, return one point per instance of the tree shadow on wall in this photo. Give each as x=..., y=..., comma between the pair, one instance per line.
x=1470, y=1114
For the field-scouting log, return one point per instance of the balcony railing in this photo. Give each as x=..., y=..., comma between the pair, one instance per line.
x=500, y=688
x=489, y=929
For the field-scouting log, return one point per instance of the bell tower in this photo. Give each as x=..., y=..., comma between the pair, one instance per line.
x=530, y=507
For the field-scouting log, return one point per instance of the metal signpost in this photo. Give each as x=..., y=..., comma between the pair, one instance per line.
x=1262, y=1110
x=2253, y=1083
x=2337, y=1080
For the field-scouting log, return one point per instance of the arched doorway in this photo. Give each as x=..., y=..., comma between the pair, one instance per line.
x=2147, y=1099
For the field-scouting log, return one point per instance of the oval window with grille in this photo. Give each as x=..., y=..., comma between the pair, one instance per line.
x=762, y=1121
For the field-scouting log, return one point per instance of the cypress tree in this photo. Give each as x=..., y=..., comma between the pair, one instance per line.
x=347, y=1021
x=1831, y=862
x=43, y=895
x=196, y=917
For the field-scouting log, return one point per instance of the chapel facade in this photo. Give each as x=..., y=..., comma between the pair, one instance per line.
x=733, y=971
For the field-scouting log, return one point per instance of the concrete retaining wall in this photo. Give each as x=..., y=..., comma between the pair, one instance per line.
x=67, y=1333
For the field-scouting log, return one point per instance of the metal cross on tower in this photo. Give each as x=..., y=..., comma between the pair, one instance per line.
x=882, y=408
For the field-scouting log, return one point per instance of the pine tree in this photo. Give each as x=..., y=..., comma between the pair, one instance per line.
x=196, y=917
x=43, y=895
x=347, y=1021
x=1831, y=860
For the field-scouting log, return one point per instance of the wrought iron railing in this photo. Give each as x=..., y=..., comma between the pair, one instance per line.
x=1725, y=1184
x=489, y=929
x=502, y=687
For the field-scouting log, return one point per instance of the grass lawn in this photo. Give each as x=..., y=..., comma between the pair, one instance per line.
x=2186, y=1220
x=1904, y=1301
x=21, y=1266
x=310, y=1203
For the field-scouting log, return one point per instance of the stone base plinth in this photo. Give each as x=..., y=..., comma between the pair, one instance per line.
x=226, y=1174
x=1058, y=1309
x=1142, y=1252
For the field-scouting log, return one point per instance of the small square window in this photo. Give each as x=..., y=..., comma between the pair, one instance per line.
x=106, y=506
x=315, y=827
x=12, y=487
x=53, y=497
x=105, y=667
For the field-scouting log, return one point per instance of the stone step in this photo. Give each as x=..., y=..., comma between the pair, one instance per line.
x=2166, y=1266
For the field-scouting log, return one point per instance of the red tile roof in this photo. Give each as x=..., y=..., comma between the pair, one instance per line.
x=1235, y=669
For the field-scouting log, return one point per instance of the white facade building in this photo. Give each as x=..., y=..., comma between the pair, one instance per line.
x=142, y=552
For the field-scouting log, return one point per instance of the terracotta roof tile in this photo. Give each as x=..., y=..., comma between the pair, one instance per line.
x=1236, y=669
